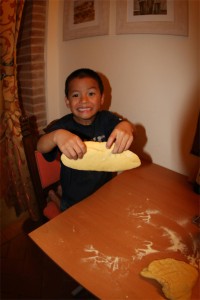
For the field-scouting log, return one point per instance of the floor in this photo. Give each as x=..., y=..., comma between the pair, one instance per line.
x=27, y=273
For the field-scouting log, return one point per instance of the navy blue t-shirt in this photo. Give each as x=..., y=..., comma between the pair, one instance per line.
x=77, y=185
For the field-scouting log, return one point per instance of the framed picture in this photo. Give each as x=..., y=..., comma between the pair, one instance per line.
x=152, y=16
x=85, y=18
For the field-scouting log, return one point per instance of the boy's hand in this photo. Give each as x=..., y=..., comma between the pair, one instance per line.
x=122, y=136
x=69, y=144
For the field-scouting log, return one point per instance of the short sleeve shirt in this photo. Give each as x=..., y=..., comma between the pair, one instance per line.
x=77, y=185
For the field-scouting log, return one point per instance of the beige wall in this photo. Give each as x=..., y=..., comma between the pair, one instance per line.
x=154, y=81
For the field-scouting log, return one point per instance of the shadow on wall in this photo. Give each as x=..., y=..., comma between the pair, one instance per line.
x=139, y=143
x=107, y=92
x=141, y=138
x=190, y=121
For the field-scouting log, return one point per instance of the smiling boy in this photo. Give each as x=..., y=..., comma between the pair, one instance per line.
x=84, y=93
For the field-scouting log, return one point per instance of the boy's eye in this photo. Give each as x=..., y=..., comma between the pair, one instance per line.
x=91, y=94
x=75, y=95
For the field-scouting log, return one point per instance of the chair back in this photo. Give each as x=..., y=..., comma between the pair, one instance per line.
x=44, y=175
x=49, y=172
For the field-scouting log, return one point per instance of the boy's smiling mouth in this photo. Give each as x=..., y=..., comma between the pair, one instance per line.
x=84, y=109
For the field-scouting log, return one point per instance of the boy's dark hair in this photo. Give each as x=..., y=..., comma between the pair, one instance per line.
x=81, y=73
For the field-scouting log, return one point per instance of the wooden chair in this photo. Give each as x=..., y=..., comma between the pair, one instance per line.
x=44, y=175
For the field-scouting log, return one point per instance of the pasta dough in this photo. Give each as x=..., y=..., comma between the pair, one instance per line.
x=176, y=277
x=99, y=158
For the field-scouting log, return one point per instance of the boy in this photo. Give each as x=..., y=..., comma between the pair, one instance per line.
x=84, y=93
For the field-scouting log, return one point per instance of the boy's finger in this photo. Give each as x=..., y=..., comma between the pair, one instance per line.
x=118, y=147
x=81, y=145
x=110, y=141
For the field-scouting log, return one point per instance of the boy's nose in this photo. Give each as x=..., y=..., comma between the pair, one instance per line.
x=84, y=98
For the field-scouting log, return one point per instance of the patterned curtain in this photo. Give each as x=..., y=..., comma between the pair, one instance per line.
x=16, y=187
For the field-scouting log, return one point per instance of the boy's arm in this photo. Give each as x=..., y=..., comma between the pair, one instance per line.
x=122, y=136
x=68, y=143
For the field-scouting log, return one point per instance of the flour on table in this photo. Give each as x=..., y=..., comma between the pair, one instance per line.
x=113, y=263
x=145, y=216
x=194, y=259
x=60, y=241
x=97, y=258
x=139, y=226
x=116, y=263
x=141, y=252
x=175, y=240
x=182, y=222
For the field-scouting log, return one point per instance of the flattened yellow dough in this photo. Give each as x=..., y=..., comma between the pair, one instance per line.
x=99, y=158
x=176, y=277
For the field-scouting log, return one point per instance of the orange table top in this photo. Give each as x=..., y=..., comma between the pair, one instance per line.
x=104, y=241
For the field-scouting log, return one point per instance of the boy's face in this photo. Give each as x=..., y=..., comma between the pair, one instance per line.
x=84, y=99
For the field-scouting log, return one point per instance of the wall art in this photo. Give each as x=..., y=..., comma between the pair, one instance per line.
x=152, y=16
x=85, y=18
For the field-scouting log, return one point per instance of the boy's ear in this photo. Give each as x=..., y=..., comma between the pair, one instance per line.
x=67, y=102
x=102, y=99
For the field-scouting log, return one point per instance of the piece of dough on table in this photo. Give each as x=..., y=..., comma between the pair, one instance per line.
x=176, y=277
x=99, y=158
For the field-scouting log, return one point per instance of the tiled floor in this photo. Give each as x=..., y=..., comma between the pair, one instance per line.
x=27, y=273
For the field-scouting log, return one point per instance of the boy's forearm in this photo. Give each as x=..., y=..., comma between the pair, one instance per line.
x=68, y=143
x=46, y=143
x=127, y=125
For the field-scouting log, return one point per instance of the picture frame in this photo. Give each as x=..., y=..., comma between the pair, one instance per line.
x=171, y=20
x=85, y=18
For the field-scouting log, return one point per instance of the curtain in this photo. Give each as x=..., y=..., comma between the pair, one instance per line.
x=16, y=187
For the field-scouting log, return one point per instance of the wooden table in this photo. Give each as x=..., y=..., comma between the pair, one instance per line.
x=106, y=240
